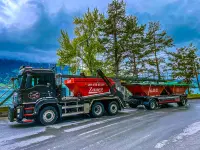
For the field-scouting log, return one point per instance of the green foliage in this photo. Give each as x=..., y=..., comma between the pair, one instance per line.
x=182, y=63
x=119, y=45
x=134, y=46
x=66, y=52
x=157, y=41
x=84, y=49
x=113, y=30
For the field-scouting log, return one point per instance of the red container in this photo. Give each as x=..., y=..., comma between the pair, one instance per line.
x=178, y=89
x=87, y=86
x=145, y=90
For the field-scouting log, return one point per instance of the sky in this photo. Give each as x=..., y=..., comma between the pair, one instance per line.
x=29, y=29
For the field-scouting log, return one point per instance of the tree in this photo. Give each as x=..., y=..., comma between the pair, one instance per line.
x=113, y=30
x=66, y=52
x=86, y=45
x=197, y=68
x=182, y=63
x=158, y=41
x=134, y=47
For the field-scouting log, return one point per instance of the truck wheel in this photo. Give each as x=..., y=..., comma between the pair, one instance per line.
x=183, y=102
x=133, y=105
x=97, y=109
x=152, y=105
x=48, y=115
x=113, y=108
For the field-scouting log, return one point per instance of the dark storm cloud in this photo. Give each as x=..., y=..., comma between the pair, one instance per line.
x=32, y=27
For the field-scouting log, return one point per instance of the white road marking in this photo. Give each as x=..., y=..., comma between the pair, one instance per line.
x=97, y=129
x=190, y=130
x=84, y=126
x=114, y=135
x=101, y=122
x=37, y=131
x=26, y=142
x=161, y=144
x=128, y=110
x=93, y=124
x=102, y=141
x=93, y=134
x=66, y=124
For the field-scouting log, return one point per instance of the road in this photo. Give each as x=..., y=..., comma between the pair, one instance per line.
x=172, y=128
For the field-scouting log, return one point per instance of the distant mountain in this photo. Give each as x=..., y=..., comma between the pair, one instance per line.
x=10, y=68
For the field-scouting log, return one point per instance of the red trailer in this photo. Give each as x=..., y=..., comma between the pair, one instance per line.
x=145, y=90
x=152, y=95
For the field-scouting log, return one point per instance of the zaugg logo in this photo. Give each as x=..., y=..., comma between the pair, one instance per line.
x=34, y=95
x=95, y=90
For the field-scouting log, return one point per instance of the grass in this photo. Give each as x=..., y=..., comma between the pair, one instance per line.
x=3, y=109
x=194, y=96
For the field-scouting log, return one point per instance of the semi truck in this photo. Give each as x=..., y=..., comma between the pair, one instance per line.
x=39, y=96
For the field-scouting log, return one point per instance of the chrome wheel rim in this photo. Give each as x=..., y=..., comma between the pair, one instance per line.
x=153, y=105
x=48, y=116
x=113, y=108
x=98, y=109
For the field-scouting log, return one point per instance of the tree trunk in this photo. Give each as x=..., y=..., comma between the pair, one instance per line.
x=196, y=74
x=116, y=54
x=135, y=73
x=157, y=66
x=157, y=63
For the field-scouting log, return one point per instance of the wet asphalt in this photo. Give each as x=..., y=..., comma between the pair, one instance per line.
x=170, y=128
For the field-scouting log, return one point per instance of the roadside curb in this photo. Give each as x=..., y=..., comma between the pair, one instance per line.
x=3, y=111
x=196, y=98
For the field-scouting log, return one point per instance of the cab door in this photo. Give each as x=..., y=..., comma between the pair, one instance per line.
x=39, y=86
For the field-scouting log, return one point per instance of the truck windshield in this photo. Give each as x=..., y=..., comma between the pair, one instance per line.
x=21, y=81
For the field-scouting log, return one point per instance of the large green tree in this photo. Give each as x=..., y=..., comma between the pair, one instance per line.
x=183, y=64
x=85, y=47
x=113, y=31
x=66, y=52
x=158, y=41
x=134, y=46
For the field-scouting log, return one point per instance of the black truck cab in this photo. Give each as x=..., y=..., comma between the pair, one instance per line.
x=32, y=86
x=35, y=84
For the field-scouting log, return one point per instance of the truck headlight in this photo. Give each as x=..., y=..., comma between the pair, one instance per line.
x=18, y=110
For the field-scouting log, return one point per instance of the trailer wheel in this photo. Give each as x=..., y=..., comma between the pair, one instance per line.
x=183, y=102
x=48, y=115
x=133, y=105
x=152, y=105
x=113, y=108
x=97, y=110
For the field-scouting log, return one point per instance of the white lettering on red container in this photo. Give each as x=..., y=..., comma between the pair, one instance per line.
x=153, y=90
x=95, y=90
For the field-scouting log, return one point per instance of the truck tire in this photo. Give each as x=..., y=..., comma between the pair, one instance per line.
x=97, y=110
x=183, y=102
x=133, y=105
x=152, y=105
x=48, y=115
x=113, y=108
